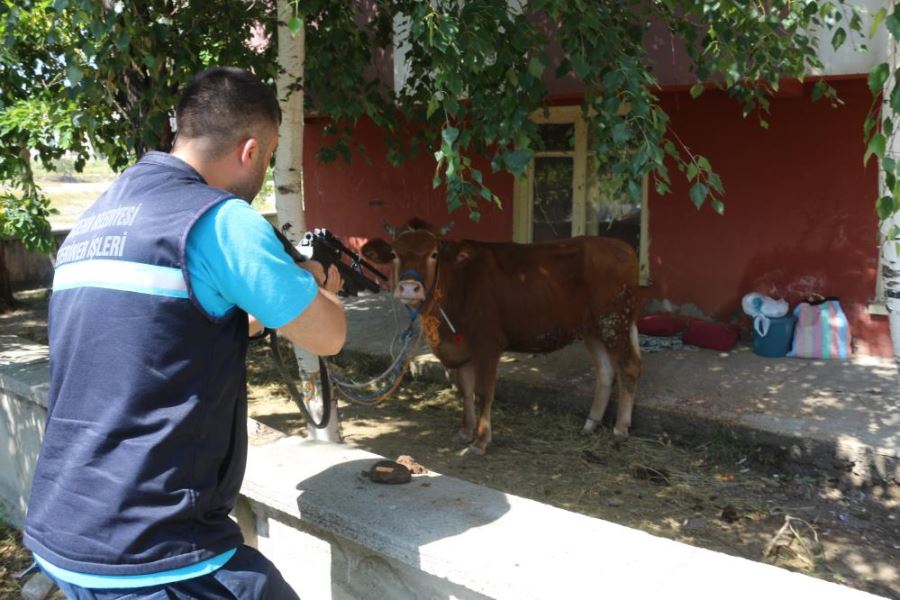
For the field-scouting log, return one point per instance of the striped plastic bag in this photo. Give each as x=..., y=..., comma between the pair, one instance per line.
x=822, y=330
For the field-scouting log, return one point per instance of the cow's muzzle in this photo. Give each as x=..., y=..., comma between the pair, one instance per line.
x=409, y=291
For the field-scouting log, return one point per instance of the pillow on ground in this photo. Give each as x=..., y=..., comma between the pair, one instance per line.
x=660, y=325
x=715, y=336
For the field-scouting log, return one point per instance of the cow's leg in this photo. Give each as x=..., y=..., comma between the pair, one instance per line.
x=465, y=380
x=486, y=378
x=628, y=369
x=603, y=368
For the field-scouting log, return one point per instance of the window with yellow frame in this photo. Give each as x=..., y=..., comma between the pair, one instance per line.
x=560, y=197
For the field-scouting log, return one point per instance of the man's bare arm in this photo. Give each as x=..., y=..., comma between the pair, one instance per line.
x=322, y=327
x=255, y=327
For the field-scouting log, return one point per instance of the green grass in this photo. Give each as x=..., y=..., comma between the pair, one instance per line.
x=71, y=192
x=64, y=170
x=13, y=559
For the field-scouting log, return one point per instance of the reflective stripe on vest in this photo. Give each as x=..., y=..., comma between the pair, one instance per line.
x=122, y=275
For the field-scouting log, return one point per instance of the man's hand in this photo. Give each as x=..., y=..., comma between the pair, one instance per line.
x=332, y=281
x=314, y=267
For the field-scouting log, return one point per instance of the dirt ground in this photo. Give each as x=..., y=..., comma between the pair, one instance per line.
x=13, y=559
x=718, y=495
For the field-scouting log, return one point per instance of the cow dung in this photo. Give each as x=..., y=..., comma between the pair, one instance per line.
x=410, y=463
x=388, y=471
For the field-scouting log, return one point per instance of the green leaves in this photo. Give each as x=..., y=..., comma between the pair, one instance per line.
x=74, y=74
x=581, y=66
x=26, y=219
x=718, y=206
x=698, y=194
x=818, y=90
x=876, y=146
x=692, y=171
x=886, y=206
x=103, y=77
x=536, y=67
x=838, y=38
x=433, y=105
x=517, y=160
x=893, y=24
x=621, y=133
x=878, y=76
x=295, y=24
x=449, y=135
x=877, y=20
x=475, y=75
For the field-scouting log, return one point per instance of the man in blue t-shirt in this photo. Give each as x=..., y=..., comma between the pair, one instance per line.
x=155, y=292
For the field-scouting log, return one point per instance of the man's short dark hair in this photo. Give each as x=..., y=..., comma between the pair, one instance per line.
x=224, y=105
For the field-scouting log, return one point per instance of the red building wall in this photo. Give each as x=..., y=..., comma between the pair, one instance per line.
x=355, y=199
x=799, y=212
x=799, y=205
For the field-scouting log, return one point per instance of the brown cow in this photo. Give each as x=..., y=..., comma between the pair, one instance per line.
x=489, y=298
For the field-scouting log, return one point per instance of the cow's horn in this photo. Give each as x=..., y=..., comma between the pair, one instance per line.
x=391, y=230
x=446, y=228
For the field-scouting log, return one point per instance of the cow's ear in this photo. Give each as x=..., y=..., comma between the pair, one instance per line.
x=457, y=253
x=378, y=250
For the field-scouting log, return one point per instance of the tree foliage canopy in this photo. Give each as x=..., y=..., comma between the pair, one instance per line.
x=478, y=70
x=91, y=76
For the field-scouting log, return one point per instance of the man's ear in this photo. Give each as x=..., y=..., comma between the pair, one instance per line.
x=378, y=250
x=456, y=253
x=249, y=150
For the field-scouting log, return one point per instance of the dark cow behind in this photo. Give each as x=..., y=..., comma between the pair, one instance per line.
x=478, y=300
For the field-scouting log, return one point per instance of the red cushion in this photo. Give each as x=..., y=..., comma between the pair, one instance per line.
x=661, y=325
x=715, y=336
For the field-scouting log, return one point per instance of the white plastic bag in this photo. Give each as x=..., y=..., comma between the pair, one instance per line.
x=762, y=308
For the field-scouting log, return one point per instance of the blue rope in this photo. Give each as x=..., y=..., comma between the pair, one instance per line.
x=375, y=390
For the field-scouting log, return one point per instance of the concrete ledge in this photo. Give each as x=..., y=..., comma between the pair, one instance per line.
x=478, y=542
x=24, y=376
x=24, y=369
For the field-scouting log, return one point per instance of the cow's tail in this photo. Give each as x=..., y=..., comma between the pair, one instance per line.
x=635, y=339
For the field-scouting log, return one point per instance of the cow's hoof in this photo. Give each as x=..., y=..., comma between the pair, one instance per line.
x=471, y=451
x=461, y=439
x=621, y=432
x=590, y=426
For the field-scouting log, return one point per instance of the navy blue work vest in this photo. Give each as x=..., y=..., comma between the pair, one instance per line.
x=146, y=441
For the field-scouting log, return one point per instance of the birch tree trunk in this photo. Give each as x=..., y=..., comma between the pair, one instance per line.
x=289, y=193
x=289, y=158
x=890, y=260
